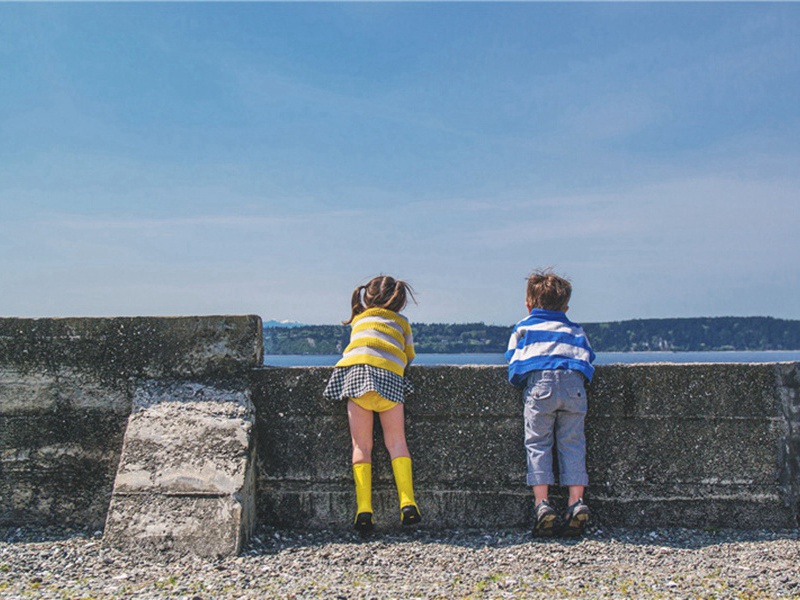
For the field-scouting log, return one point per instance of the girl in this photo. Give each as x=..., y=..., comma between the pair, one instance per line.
x=370, y=376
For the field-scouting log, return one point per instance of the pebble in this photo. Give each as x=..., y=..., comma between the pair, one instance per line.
x=612, y=562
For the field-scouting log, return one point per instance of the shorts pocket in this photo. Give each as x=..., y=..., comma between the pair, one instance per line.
x=539, y=392
x=577, y=399
x=577, y=391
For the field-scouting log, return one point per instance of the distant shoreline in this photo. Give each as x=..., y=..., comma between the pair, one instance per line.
x=702, y=334
x=603, y=358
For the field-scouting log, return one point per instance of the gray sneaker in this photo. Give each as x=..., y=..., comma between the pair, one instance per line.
x=545, y=519
x=576, y=519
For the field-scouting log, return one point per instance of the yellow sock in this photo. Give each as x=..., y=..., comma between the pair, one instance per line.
x=362, y=474
x=404, y=481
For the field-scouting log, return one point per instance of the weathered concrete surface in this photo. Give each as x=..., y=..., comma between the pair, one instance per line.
x=185, y=478
x=111, y=349
x=66, y=390
x=789, y=451
x=688, y=445
x=463, y=431
x=60, y=438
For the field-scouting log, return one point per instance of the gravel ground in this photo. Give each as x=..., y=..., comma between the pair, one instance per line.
x=611, y=563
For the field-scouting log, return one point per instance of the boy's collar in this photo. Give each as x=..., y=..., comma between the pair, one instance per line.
x=557, y=315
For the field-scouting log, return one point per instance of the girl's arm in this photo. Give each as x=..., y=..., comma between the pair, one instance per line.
x=409, y=349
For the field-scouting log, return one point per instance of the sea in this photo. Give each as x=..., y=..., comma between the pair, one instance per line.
x=603, y=358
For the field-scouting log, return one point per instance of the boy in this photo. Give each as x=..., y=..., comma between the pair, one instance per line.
x=551, y=357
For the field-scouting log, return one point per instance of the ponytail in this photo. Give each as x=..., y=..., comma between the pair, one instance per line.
x=356, y=305
x=380, y=292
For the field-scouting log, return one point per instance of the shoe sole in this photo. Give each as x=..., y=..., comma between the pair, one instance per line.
x=546, y=526
x=576, y=525
x=364, y=524
x=411, y=517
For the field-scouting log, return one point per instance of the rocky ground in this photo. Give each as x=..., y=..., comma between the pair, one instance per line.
x=611, y=563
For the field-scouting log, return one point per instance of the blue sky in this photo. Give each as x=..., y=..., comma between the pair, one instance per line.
x=206, y=158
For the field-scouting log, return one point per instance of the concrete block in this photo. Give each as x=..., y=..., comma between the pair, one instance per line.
x=691, y=451
x=83, y=392
x=439, y=391
x=320, y=450
x=787, y=379
x=66, y=390
x=467, y=453
x=60, y=438
x=333, y=507
x=186, y=476
x=58, y=467
x=289, y=391
x=186, y=438
x=695, y=506
x=309, y=448
x=122, y=347
x=468, y=391
x=695, y=445
x=27, y=391
x=284, y=505
x=684, y=390
x=207, y=526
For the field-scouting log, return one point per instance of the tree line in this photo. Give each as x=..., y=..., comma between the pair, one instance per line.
x=687, y=334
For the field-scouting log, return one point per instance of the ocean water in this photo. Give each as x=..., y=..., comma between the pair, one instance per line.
x=603, y=358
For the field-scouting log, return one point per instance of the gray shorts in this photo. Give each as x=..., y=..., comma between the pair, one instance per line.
x=555, y=408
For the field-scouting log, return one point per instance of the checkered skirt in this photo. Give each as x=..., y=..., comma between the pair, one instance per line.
x=357, y=380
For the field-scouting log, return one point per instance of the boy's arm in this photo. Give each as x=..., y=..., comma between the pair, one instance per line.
x=513, y=342
x=512, y=345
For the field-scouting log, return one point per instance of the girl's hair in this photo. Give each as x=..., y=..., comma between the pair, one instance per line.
x=380, y=292
x=548, y=291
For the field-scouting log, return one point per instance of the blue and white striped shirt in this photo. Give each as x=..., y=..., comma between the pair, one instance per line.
x=547, y=339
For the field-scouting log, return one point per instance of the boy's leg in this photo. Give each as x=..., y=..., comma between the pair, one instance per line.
x=540, y=492
x=571, y=443
x=575, y=493
x=393, y=425
x=572, y=456
x=539, y=422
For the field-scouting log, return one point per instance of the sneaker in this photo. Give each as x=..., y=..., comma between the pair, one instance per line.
x=409, y=515
x=576, y=519
x=364, y=522
x=545, y=519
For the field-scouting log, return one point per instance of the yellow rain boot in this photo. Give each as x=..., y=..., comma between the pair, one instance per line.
x=409, y=513
x=362, y=474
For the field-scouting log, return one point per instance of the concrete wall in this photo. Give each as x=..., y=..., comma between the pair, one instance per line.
x=180, y=414
x=66, y=392
x=687, y=445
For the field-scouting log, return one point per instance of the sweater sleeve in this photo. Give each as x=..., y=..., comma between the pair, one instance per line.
x=409, y=348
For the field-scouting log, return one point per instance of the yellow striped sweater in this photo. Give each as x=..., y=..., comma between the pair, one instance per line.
x=381, y=338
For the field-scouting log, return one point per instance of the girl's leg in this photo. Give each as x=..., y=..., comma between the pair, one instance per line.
x=394, y=431
x=394, y=435
x=361, y=421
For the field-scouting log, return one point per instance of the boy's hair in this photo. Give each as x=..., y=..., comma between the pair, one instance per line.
x=548, y=291
x=380, y=292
